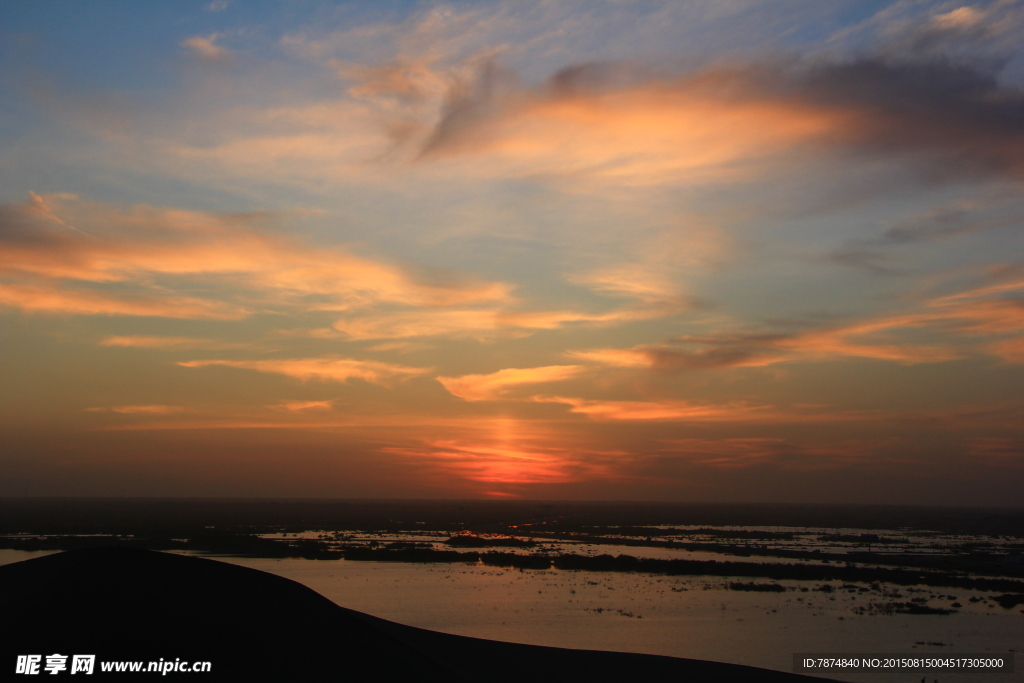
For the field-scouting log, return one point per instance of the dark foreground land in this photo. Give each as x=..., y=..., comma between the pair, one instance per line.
x=129, y=604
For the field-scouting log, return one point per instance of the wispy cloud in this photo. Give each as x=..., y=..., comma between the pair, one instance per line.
x=399, y=347
x=983, y=32
x=588, y=119
x=617, y=358
x=305, y=406
x=51, y=299
x=738, y=452
x=206, y=46
x=636, y=281
x=140, y=245
x=971, y=316
x=998, y=450
x=39, y=206
x=168, y=343
x=1010, y=350
x=141, y=410
x=669, y=410
x=856, y=340
x=949, y=221
x=321, y=369
x=676, y=411
x=494, y=386
x=632, y=125
x=478, y=323
x=753, y=351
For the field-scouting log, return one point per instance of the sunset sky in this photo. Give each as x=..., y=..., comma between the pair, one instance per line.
x=704, y=250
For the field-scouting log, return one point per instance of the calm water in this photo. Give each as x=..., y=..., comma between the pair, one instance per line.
x=680, y=616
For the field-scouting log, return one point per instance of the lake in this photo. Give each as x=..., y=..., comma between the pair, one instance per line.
x=692, y=616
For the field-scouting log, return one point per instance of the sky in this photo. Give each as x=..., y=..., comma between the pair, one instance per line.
x=700, y=250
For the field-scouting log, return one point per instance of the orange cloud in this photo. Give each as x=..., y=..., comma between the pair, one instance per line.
x=305, y=406
x=842, y=342
x=664, y=410
x=48, y=299
x=37, y=205
x=494, y=386
x=139, y=245
x=191, y=425
x=665, y=357
x=321, y=369
x=371, y=420
x=480, y=324
x=1010, y=350
x=141, y=410
x=977, y=312
x=206, y=47
x=711, y=126
x=604, y=121
x=684, y=411
x=399, y=346
x=150, y=342
x=652, y=281
x=457, y=323
x=981, y=311
x=617, y=358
